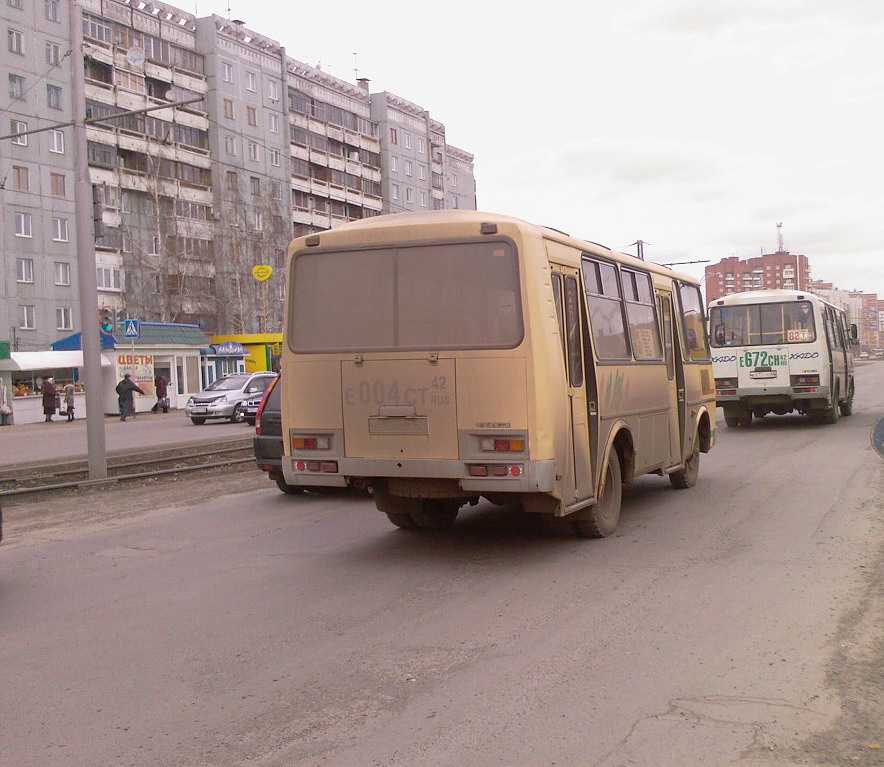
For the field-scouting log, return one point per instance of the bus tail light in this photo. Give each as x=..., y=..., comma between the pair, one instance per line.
x=805, y=384
x=319, y=442
x=495, y=470
x=502, y=444
x=327, y=467
x=726, y=385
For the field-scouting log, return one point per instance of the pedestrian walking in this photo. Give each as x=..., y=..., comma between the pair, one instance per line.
x=162, y=390
x=69, y=400
x=126, y=397
x=49, y=399
x=5, y=405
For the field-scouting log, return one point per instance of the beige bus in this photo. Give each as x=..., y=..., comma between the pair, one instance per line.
x=445, y=357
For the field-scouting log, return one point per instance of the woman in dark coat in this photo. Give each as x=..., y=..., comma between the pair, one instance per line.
x=48, y=399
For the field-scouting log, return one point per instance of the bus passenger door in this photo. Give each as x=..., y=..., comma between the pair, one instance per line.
x=568, y=304
x=674, y=376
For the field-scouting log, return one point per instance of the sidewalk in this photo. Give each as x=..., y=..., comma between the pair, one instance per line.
x=63, y=441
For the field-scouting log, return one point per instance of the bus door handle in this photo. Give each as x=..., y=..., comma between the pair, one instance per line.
x=681, y=394
x=593, y=410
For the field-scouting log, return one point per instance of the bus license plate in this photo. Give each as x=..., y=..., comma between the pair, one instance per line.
x=762, y=374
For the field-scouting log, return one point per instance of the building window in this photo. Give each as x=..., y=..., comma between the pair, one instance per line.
x=421, y=146
x=230, y=145
x=453, y=180
x=15, y=41
x=273, y=122
x=53, y=53
x=407, y=137
x=273, y=90
x=64, y=318
x=28, y=318
x=226, y=72
x=24, y=270
x=409, y=168
x=255, y=183
x=394, y=136
x=251, y=82
x=15, y=4
x=231, y=180
x=274, y=157
x=16, y=87
x=23, y=226
x=394, y=164
x=251, y=115
x=422, y=172
x=60, y=229
x=276, y=190
x=57, y=187
x=394, y=193
x=423, y=199
x=18, y=126
x=53, y=96
x=21, y=178
x=51, y=9
x=108, y=278
x=153, y=246
x=254, y=153
x=62, y=273
x=257, y=220
x=229, y=111
x=409, y=194
x=56, y=141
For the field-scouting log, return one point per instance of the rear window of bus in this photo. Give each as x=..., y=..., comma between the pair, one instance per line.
x=453, y=295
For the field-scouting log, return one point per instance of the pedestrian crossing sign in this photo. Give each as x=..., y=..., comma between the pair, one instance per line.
x=132, y=328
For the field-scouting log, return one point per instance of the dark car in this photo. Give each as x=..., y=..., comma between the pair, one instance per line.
x=249, y=408
x=267, y=443
x=268, y=437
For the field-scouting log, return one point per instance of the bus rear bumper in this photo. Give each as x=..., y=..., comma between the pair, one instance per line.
x=515, y=476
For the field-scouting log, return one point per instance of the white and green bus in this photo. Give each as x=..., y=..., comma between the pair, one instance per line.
x=779, y=351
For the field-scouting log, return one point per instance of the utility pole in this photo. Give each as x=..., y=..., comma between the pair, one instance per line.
x=641, y=248
x=86, y=277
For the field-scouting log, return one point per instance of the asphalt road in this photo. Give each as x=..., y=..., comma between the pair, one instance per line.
x=735, y=623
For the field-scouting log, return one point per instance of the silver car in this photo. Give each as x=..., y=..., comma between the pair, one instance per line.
x=225, y=398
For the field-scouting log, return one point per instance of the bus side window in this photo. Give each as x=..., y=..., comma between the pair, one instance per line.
x=666, y=321
x=572, y=326
x=560, y=315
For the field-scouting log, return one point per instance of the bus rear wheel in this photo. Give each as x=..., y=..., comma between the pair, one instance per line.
x=604, y=515
x=736, y=418
x=830, y=414
x=436, y=514
x=402, y=520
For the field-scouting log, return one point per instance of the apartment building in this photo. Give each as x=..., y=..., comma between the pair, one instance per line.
x=420, y=171
x=783, y=270
x=866, y=313
x=38, y=280
x=196, y=195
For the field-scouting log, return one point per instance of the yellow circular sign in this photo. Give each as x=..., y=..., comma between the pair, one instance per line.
x=262, y=272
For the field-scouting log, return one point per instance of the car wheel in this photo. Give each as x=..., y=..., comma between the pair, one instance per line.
x=286, y=487
x=238, y=416
x=198, y=421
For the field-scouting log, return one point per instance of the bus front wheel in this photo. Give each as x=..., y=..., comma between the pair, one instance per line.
x=604, y=515
x=687, y=477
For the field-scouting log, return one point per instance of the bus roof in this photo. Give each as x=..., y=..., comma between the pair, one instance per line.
x=765, y=297
x=466, y=217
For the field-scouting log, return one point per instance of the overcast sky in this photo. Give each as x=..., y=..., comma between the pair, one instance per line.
x=690, y=125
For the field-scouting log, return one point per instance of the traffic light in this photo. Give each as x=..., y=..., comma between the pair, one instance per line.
x=106, y=319
x=98, y=211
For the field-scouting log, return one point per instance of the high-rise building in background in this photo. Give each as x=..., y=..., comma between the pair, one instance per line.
x=191, y=197
x=784, y=270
